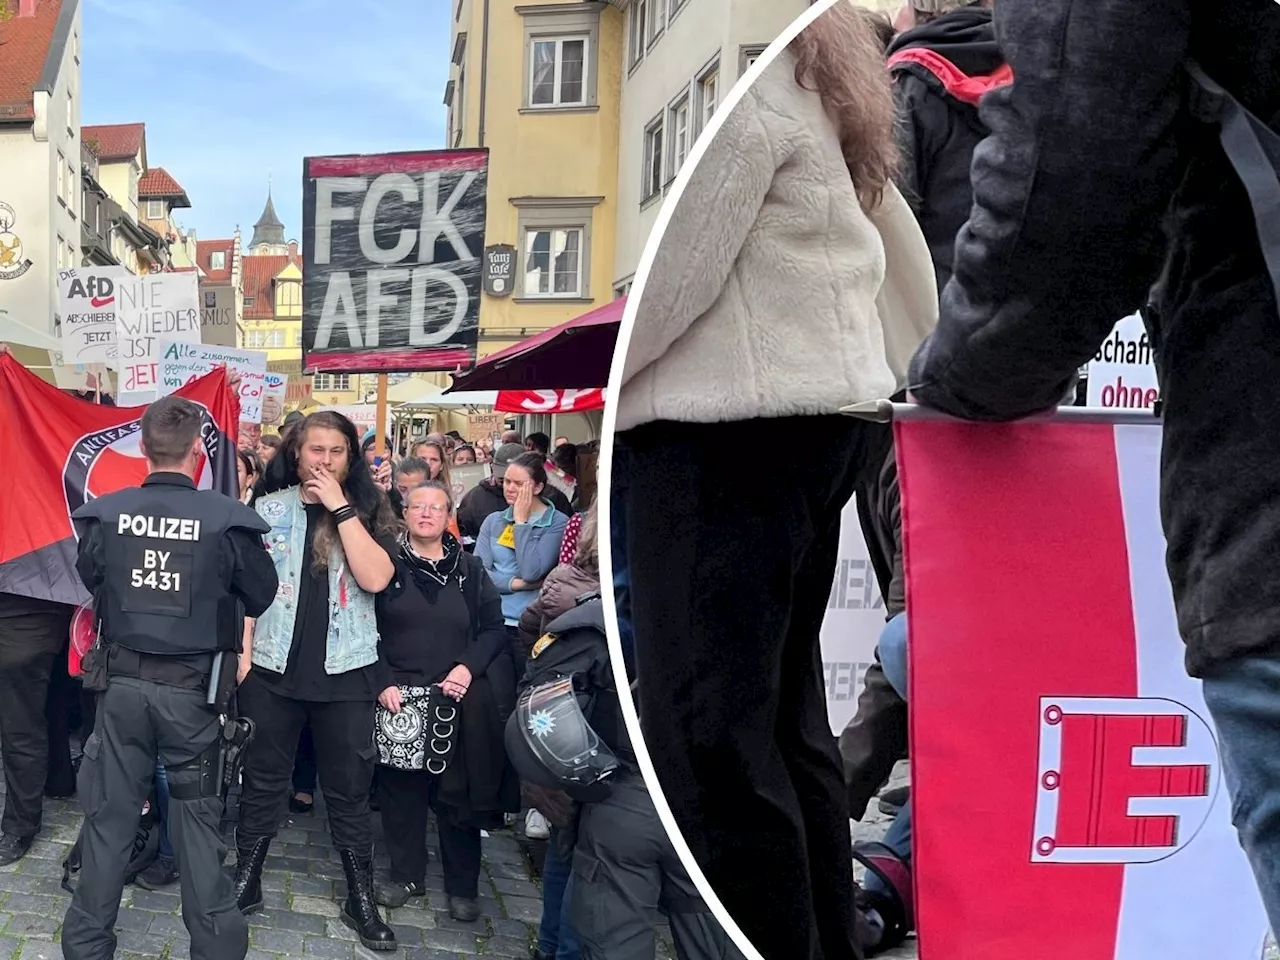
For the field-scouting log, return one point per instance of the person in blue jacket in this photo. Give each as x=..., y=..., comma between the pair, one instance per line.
x=521, y=545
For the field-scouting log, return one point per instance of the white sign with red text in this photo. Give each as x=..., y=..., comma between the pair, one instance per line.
x=183, y=363
x=1123, y=373
x=87, y=305
x=160, y=306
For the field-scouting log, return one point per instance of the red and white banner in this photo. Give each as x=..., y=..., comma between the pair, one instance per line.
x=1067, y=784
x=550, y=401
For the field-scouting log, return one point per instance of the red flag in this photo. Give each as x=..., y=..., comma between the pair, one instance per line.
x=550, y=401
x=60, y=451
x=1067, y=787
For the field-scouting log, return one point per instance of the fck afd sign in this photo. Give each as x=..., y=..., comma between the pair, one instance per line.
x=392, y=260
x=1067, y=780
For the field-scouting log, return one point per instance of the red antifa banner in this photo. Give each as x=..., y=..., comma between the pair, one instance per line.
x=61, y=451
x=549, y=401
x=1067, y=786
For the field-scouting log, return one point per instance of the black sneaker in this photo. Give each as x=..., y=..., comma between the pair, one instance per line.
x=464, y=909
x=161, y=873
x=398, y=894
x=13, y=849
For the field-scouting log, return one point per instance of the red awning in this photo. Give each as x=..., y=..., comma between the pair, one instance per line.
x=576, y=354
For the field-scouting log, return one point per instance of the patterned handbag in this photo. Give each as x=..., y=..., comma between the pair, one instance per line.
x=422, y=735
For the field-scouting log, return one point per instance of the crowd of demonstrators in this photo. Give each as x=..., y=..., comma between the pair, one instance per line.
x=818, y=241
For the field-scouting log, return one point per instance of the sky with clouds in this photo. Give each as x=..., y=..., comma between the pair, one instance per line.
x=236, y=90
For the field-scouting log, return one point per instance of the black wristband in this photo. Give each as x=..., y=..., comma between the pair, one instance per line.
x=344, y=513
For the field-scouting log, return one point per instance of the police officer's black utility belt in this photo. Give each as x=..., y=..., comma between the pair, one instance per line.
x=190, y=672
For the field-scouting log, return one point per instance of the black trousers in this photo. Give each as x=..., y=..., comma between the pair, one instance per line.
x=139, y=722
x=732, y=554
x=344, y=750
x=304, y=767
x=405, y=797
x=625, y=873
x=34, y=716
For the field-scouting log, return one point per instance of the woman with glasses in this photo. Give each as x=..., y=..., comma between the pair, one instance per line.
x=440, y=724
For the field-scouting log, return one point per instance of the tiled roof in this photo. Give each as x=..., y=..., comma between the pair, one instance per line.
x=259, y=271
x=25, y=42
x=157, y=183
x=204, y=248
x=115, y=141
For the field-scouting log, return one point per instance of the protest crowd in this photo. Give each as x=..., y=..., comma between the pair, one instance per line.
x=391, y=629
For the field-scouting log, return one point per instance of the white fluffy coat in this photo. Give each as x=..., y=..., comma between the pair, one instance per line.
x=773, y=292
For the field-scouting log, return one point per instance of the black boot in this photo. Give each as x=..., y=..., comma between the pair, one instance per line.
x=249, y=860
x=360, y=912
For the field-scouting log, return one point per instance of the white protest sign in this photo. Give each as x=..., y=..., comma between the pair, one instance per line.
x=1123, y=373
x=159, y=306
x=183, y=362
x=218, y=315
x=87, y=305
x=274, y=388
x=851, y=628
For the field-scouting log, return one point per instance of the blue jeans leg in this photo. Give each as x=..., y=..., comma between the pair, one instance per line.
x=1244, y=698
x=893, y=658
x=555, y=937
x=162, y=807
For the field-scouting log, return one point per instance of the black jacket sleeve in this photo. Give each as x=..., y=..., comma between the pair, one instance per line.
x=1069, y=190
x=919, y=115
x=91, y=561
x=491, y=630
x=253, y=573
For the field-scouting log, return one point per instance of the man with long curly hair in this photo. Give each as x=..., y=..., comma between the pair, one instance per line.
x=313, y=659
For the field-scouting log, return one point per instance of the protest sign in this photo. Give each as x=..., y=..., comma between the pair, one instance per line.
x=481, y=425
x=87, y=306
x=1123, y=373
x=183, y=363
x=392, y=247
x=465, y=477
x=151, y=308
x=1046, y=665
x=218, y=314
x=274, y=390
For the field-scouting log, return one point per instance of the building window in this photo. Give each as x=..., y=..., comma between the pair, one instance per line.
x=748, y=55
x=639, y=30
x=562, y=58
x=248, y=302
x=253, y=339
x=622, y=290
x=652, y=173
x=62, y=178
x=553, y=262
x=558, y=77
x=708, y=94
x=218, y=260
x=71, y=254
x=275, y=339
x=297, y=337
x=71, y=114
x=674, y=7
x=679, y=132
x=75, y=45
x=62, y=253
x=71, y=188
x=289, y=297
x=331, y=383
x=155, y=209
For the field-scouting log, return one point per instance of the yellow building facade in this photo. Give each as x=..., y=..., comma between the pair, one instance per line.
x=539, y=84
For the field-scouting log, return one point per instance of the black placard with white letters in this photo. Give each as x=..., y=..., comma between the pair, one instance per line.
x=392, y=251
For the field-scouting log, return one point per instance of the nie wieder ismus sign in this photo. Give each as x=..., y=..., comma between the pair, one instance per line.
x=392, y=260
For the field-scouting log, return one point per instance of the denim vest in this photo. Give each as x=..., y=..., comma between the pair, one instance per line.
x=352, y=641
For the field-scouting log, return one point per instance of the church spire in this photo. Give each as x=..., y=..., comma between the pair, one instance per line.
x=268, y=231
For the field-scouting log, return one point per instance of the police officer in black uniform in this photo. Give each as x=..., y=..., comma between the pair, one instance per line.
x=173, y=572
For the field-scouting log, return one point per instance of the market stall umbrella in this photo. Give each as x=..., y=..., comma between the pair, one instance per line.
x=574, y=354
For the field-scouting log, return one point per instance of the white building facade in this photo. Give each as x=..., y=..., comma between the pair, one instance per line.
x=40, y=192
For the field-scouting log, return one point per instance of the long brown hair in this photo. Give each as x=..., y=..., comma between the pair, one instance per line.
x=839, y=57
x=363, y=494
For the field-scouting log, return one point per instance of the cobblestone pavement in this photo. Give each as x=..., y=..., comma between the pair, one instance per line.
x=302, y=881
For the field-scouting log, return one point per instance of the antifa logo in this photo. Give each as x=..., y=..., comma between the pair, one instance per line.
x=111, y=459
